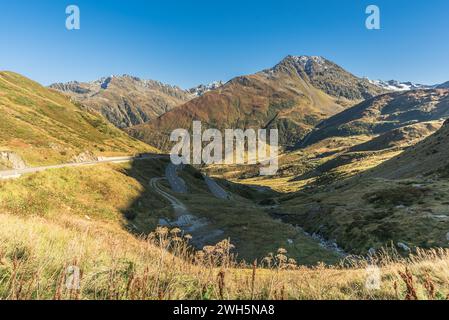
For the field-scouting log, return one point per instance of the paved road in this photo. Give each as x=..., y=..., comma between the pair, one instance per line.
x=176, y=183
x=216, y=189
x=13, y=174
x=177, y=205
x=199, y=228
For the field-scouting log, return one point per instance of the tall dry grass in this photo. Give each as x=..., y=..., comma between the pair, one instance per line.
x=38, y=258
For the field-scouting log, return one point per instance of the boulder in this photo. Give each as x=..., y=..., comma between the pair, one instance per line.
x=12, y=160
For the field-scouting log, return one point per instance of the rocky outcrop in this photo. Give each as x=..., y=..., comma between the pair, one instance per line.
x=86, y=156
x=12, y=160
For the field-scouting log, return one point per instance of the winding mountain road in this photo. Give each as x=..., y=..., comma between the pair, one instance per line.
x=199, y=228
x=176, y=183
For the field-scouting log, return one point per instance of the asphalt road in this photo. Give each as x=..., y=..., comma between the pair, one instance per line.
x=177, y=205
x=199, y=228
x=216, y=189
x=14, y=174
x=176, y=183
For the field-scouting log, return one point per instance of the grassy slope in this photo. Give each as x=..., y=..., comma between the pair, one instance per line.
x=82, y=225
x=403, y=199
x=394, y=195
x=250, y=228
x=382, y=114
x=120, y=194
x=331, y=159
x=44, y=127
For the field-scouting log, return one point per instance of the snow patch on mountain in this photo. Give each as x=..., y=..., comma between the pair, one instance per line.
x=203, y=88
x=394, y=85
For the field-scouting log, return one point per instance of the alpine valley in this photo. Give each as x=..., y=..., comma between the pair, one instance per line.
x=86, y=181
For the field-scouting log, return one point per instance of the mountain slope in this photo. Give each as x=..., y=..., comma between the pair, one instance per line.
x=403, y=201
x=430, y=156
x=126, y=100
x=382, y=114
x=43, y=127
x=293, y=97
x=443, y=85
x=400, y=137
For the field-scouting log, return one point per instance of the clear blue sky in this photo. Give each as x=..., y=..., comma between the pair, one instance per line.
x=191, y=42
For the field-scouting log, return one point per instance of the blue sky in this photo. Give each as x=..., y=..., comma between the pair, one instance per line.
x=191, y=42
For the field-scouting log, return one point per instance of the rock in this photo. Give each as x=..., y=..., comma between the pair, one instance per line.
x=86, y=156
x=290, y=241
x=446, y=123
x=13, y=160
x=403, y=246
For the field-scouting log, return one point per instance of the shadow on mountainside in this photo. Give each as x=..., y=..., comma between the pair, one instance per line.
x=244, y=218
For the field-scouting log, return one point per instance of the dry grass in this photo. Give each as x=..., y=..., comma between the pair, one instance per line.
x=80, y=226
x=37, y=256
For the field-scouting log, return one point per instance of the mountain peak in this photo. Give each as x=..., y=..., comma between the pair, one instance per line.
x=308, y=59
x=325, y=75
x=308, y=63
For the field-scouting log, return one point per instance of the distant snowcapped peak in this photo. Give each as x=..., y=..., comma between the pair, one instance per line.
x=203, y=88
x=394, y=85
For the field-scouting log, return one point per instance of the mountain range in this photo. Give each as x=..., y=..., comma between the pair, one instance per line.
x=355, y=152
x=125, y=100
x=382, y=114
x=293, y=96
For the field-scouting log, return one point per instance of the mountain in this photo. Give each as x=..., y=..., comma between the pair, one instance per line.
x=443, y=86
x=203, y=88
x=400, y=137
x=382, y=114
x=41, y=126
x=327, y=76
x=429, y=157
x=293, y=97
x=394, y=85
x=125, y=100
x=401, y=201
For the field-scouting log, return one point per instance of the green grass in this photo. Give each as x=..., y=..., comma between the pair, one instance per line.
x=45, y=127
x=121, y=194
x=77, y=217
x=371, y=213
x=253, y=231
